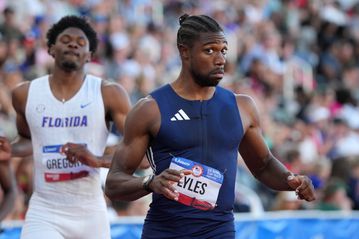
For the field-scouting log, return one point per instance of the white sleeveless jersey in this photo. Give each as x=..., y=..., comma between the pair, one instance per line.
x=53, y=123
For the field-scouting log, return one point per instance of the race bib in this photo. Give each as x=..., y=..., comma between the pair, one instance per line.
x=199, y=189
x=57, y=167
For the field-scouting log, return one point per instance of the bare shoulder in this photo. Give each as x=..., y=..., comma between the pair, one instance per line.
x=21, y=89
x=19, y=96
x=248, y=110
x=115, y=97
x=111, y=89
x=147, y=114
x=146, y=106
x=245, y=102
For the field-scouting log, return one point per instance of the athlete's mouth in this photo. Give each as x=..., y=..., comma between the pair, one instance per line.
x=71, y=53
x=218, y=73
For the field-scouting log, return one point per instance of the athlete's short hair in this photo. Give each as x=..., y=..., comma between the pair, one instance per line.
x=192, y=26
x=72, y=21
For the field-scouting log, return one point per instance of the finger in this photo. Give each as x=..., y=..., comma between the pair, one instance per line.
x=307, y=198
x=309, y=193
x=71, y=158
x=76, y=146
x=294, y=181
x=186, y=172
x=64, y=149
x=303, y=186
x=172, y=178
x=172, y=172
x=173, y=195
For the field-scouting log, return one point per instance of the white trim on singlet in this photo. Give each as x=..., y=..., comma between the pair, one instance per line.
x=151, y=160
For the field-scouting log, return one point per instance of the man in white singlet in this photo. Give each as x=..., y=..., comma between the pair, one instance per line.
x=66, y=116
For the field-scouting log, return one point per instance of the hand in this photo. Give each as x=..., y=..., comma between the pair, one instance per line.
x=303, y=187
x=79, y=152
x=163, y=183
x=5, y=149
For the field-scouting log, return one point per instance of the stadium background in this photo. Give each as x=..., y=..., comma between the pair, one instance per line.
x=298, y=59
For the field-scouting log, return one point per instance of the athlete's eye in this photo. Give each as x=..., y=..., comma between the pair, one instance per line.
x=224, y=51
x=209, y=51
x=81, y=41
x=65, y=39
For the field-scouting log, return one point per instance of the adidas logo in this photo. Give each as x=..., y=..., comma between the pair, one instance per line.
x=180, y=115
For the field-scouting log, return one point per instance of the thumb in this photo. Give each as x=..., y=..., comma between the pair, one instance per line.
x=293, y=181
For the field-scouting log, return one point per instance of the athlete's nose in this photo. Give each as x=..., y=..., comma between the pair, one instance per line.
x=72, y=44
x=220, y=59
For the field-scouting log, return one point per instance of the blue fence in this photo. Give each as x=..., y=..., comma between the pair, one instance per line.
x=283, y=225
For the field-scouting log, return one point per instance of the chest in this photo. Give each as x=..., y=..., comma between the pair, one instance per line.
x=200, y=124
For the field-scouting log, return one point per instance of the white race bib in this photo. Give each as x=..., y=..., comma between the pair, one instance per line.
x=199, y=189
x=57, y=167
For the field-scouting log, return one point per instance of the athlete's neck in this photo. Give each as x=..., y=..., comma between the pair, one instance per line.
x=65, y=87
x=189, y=90
x=64, y=78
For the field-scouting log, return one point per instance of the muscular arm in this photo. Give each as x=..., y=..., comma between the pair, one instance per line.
x=21, y=147
x=7, y=183
x=260, y=161
x=140, y=124
x=117, y=105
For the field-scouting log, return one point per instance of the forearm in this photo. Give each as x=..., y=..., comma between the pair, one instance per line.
x=8, y=186
x=21, y=148
x=7, y=204
x=274, y=175
x=121, y=186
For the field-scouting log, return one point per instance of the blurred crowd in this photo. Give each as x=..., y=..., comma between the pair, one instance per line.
x=298, y=59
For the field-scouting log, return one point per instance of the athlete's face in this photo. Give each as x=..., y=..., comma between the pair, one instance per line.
x=207, y=59
x=71, y=49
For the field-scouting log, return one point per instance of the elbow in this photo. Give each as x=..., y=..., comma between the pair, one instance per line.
x=110, y=189
x=113, y=190
x=260, y=170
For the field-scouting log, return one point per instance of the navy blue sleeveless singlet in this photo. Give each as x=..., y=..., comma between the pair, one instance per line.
x=208, y=132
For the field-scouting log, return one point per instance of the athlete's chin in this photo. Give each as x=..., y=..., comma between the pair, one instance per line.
x=208, y=81
x=69, y=66
x=215, y=81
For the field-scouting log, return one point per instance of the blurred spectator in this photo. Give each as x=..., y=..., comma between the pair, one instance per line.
x=286, y=201
x=345, y=140
x=8, y=28
x=335, y=197
x=297, y=72
x=353, y=183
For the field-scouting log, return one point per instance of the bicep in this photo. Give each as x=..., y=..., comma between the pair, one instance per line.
x=253, y=147
x=135, y=141
x=130, y=153
x=117, y=104
x=19, y=97
x=22, y=126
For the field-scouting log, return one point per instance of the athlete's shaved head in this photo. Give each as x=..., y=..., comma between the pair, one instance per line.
x=192, y=26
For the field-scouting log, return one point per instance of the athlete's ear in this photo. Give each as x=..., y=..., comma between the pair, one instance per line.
x=183, y=51
x=89, y=56
x=51, y=51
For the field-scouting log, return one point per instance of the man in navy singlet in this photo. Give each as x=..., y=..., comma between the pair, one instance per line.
x=191, y=131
